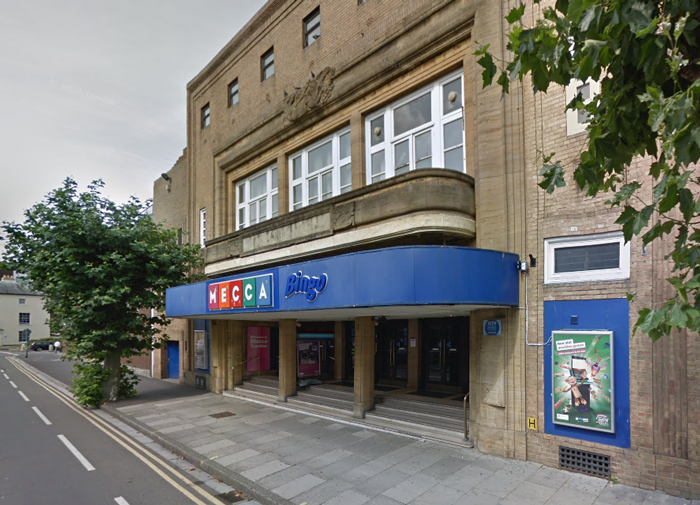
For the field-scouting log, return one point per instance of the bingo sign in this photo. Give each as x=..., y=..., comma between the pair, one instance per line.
x=582, y=380
x=248, y=293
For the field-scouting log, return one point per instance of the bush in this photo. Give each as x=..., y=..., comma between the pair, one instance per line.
x=87, y=383
x=90, y=378
x=127, y=382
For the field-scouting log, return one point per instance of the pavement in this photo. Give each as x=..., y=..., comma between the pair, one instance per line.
x=278, y=455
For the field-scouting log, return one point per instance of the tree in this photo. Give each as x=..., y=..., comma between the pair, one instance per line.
x=645, y=55
x=103, y=269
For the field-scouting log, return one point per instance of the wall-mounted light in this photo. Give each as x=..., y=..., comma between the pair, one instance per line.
x=168, y=180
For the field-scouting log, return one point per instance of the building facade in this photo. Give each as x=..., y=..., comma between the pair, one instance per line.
x=22, y=314
x=370, y=214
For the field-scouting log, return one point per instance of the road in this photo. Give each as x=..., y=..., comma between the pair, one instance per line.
x=52, y=451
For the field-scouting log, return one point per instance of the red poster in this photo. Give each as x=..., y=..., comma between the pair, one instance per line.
x=309, y=357
x=258, y=345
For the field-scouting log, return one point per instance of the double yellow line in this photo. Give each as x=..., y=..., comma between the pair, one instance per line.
x=155, y=463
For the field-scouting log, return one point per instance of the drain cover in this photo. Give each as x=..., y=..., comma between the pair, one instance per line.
x=221, y=415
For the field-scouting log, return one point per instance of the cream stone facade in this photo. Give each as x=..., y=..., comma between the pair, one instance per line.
x=342, y=152
x=22, y=314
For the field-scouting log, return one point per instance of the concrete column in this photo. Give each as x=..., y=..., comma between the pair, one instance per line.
x=218, y=356
x=237, y=351
x=288, y=359
x=339, y=357
x=414, y=353
x=364, y=366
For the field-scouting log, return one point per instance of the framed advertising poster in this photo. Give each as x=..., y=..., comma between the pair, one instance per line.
x=583, y=393
x=258, y=346
x=309, y=359
x=201, y=357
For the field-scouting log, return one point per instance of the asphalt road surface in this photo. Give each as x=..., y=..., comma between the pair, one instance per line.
x=52, y=451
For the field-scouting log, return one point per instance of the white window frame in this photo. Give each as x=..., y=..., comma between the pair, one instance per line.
x=573, y=125
x=611, y=274
x=435, y=126
x=334, y=169
x=271, y=191
x=203, y=227
x=29, y=318
x=22, y=301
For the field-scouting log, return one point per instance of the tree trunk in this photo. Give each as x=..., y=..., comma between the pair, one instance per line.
x=111, y=385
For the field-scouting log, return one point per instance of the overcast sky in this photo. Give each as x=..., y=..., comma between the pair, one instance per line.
x=97, y=89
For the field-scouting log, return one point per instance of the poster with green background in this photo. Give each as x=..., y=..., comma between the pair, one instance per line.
x=582, y=380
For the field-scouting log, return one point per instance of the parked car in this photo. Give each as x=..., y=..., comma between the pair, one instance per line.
x=40, y=346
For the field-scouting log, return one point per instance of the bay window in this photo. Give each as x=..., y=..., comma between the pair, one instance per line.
x=321, y=171
x=423, y=130
x=256, y=197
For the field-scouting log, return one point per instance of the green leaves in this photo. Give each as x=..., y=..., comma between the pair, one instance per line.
x=644, y=56
x=515, y=14
x=101, y=266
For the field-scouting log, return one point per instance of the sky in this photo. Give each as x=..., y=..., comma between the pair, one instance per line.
x=97, y=90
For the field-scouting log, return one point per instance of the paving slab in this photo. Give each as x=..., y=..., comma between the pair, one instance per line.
x=292, y=458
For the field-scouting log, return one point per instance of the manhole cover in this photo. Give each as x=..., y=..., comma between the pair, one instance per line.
x=221, y=415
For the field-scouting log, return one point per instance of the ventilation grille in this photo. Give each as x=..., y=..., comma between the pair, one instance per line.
x=586, y=462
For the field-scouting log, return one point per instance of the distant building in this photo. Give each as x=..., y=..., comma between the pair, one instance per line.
x=168, y=209
x=22, y=315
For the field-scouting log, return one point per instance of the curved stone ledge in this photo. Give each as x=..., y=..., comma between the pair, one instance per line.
x=430, y=200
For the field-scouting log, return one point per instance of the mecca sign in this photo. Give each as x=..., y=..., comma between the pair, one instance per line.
x=247, y=293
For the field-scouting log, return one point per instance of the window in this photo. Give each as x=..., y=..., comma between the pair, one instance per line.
x=267, y=64
x=206, y=116
x=256, y=197
x=24, y=318
x=321, y=171
x=586, y=258
x=24, y=335
x=576, y=121
x=312, y=27
x=22, y=301
x=423, y=130
x=203, y=227
x=233, y=93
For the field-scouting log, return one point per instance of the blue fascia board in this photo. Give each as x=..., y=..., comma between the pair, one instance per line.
x=395, y=276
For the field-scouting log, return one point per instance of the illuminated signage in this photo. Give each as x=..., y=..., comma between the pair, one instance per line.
x=248, y=293
x=297, y=283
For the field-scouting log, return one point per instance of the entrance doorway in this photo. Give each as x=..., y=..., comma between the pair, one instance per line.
x=173, y=359
x=446, y=353
x=391, y=363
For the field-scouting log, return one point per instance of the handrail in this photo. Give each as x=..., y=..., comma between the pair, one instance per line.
x=233, y=369
x=466, y=423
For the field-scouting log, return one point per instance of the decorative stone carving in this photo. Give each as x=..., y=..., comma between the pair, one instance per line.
x=313, y=95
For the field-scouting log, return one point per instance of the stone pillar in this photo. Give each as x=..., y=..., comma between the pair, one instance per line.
x=218, y=356
x=237, y=351
x=288, y=359
x=364, y=366
x=357, y=149
x=414, y=353
x=282, y=183
x=339, y=357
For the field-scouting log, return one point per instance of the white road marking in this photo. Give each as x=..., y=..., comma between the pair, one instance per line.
x=13, y=384
x=77, y=454
x=23, y=396
x=6, y=376
x=121, y=501
x=42, y=416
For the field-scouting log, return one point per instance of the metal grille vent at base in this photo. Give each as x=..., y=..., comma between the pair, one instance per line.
x=586, y=462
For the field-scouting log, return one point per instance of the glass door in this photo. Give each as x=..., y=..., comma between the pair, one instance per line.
x=392, y=351
x=442, y=341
